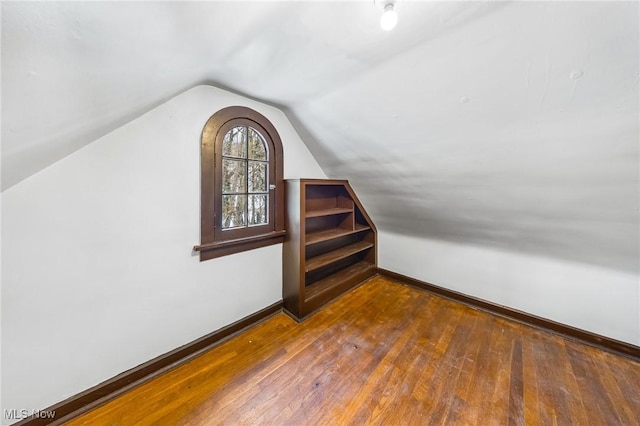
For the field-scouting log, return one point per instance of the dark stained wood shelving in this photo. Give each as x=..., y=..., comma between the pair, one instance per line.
x=330, y=245
x=330, y=234
x=335, y=255
x=328, y=212
x=332, y=281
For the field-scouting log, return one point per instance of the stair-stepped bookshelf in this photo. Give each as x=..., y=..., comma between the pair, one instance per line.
x=330, y=245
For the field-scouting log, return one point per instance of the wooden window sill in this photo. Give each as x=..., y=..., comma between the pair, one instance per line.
x=224, y=248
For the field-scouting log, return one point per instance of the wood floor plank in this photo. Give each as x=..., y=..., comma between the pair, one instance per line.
x=452, y=348
x=460, y=412
x=609, y=385
x=295, y=344
x=593, y=392
x=551, y=398
x=569, y=384
x=439, y=342
x=516, y=386
x=458, y=359
x=386, y=353
x=624, y=396
x=624, y=375
x=386, y=382
x=530, y=379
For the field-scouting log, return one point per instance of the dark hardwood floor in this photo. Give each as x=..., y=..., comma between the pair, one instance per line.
x=389, y=354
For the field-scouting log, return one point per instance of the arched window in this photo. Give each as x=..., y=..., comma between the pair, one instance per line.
x=242, y=194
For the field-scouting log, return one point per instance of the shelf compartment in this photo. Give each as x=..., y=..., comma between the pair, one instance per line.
x=330, y=234
x=346, y=277
x=335, y=255
x=329, y=212
x=326, y=197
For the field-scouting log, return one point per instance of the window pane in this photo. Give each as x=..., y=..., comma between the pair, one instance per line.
x=258, y=209
x=234, y=143
x=257, y=176
x=234, y=211
x=234, y=176
x=257, y=146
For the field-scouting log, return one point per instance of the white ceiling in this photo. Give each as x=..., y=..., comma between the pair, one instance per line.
x=513, y=125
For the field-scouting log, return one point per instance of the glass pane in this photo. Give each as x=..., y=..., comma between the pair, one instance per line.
x=257, y=146
x=234, y=143
x=257, y=176
x=234, y=211
x=234, y=176
x=258, y=209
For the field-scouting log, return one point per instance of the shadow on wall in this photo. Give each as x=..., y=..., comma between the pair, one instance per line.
x=496, y=216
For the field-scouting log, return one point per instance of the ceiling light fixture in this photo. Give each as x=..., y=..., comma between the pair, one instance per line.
x=389, y=17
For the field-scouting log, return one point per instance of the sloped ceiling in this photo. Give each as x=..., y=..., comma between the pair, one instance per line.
x=512, y=125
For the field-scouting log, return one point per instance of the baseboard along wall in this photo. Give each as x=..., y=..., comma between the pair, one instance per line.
x=602, y=342
x=116, y=386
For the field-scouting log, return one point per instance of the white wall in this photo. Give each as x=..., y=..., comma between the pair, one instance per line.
x=98, y=274
x=603, y=301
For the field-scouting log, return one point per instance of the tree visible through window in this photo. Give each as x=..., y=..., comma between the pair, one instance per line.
x=245, y=178
x=242, y=195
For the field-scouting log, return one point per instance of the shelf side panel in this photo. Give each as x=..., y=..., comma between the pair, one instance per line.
x=293, y=251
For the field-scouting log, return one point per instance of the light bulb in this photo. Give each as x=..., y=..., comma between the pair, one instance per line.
x=389, y=18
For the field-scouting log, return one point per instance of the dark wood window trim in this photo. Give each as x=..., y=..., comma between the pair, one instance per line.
x=215, y=242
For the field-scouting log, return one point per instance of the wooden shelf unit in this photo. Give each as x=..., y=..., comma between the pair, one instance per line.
x=330, y=245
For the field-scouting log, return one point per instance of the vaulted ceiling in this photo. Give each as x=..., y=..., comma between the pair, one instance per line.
x=510, y=125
